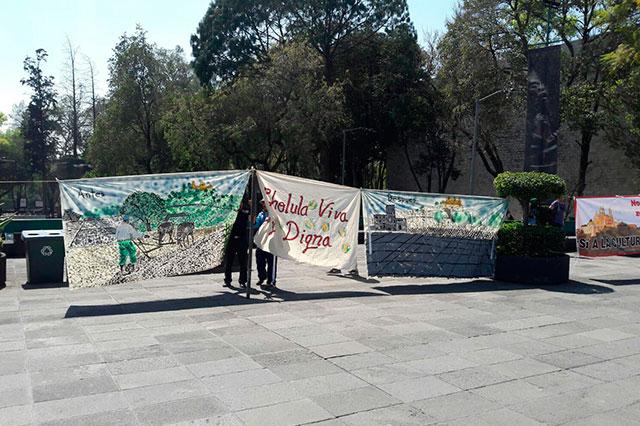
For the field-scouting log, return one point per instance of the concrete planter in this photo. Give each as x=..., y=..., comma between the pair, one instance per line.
x=532, y=270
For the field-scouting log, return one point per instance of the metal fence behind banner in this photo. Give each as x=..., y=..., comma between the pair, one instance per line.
x=30, y=198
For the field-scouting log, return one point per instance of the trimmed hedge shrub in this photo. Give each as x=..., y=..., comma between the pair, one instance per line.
x=523, y=186
x=516, y=239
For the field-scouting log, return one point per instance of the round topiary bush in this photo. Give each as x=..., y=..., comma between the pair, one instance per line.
x=523, y=186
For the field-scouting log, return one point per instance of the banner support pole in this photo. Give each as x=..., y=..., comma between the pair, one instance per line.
x=252, y=214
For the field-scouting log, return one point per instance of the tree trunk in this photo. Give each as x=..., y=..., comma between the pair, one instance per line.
x=585, y=147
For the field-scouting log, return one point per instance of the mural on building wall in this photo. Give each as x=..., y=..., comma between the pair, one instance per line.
x=124, y=229
x=543, y=110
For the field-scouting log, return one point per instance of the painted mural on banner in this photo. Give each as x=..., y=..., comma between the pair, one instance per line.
x=309, y=221
x=608, y=226
x=132, y=228
x=418, y=234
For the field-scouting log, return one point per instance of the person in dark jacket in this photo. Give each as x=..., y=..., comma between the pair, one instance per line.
x=238, y=245
x=264, y=259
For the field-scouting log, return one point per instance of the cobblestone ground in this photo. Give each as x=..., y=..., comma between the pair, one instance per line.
x=326, y=350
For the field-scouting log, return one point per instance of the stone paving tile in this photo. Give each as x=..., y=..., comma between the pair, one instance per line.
x=340, y=349
x=607, y=335
x=568, y=359
x=155, y=394
x=239, y=380
x=558, y=409
x=78, y=406
x=501, y=417
x=520, y=368
x=140, y=365
x=16, y=415
x=417, y=389
x=513, y=392
x=73, y=388
x=361, y=360
x=120, y=418
x=475, y=377
x=318, y=385
x=153, y=377
x=285, y=414
x=223, y=366
x=258, y=396
x=305, y=369
x=401, y=414
x=561, y=381
x=215, y=354
x=181, y=410
x=455, y=405
x=441, y=364
x=295, y=356
x=354, y=400
x=13, y=381
x=387, y=373
x=608, y=371
x=16, y=396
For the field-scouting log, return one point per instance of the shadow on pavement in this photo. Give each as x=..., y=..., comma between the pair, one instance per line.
x=27, y=286
x=223, y=299
x=632, y=281
x=574, y=287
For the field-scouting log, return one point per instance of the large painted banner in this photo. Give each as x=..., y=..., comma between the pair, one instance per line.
x=309, y=221
x=131, y=228
x=418, y=234
x=608, y=226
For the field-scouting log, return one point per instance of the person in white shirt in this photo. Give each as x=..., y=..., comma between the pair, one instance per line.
x=125, y=233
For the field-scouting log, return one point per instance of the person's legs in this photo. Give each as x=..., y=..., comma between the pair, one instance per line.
x=124, y=253
x=133, y=254
x=242, y=258
x=228, y=261
x=271, y=278
x=261, y=263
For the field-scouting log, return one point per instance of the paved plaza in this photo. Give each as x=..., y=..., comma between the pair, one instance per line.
x=327, y=350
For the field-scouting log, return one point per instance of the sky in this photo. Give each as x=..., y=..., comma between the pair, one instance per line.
x=95, y=26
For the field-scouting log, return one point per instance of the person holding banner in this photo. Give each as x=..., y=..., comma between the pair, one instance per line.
x=558, y=209
x=238, y=245
x=264, y=259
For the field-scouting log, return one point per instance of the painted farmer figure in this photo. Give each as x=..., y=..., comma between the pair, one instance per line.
x=264, y=259
x=238, y=245
x=125, y=234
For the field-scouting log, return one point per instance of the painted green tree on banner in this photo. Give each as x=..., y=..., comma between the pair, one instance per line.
x=146, y=207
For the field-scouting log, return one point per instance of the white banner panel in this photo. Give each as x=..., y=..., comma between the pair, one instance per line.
x=309, y=221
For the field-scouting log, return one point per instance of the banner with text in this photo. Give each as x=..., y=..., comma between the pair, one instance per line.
x=124, y=229
x=309, y=221
x=608, y=226
x=418, y=234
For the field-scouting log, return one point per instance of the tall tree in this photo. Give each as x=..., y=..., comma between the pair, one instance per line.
x=73, y=119
x=129, y=136
x=623, y=76
x=39, y=123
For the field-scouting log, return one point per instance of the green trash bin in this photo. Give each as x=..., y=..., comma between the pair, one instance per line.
x=44, y=251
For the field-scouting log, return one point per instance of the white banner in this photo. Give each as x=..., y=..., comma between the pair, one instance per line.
x=608, y=226
x=309, y=221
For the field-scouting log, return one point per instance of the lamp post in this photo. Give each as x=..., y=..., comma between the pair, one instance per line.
x=344, y=147
x=475, y=138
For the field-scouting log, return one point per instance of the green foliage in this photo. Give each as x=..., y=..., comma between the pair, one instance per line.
x=39, y=123
x=145, y=207
x=524, y=186
x=527, y=185
x=516, y=239
x=129, y=136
